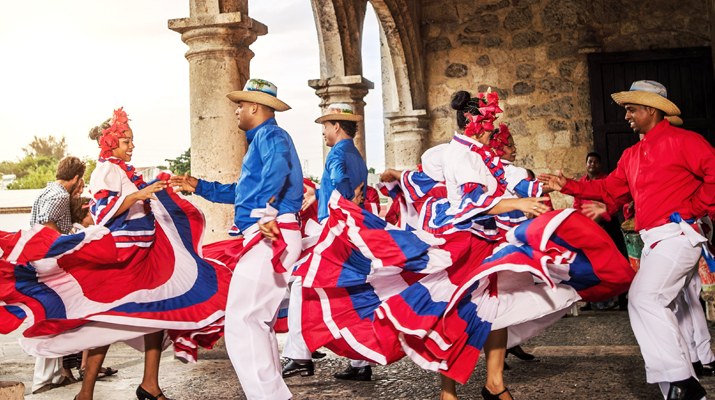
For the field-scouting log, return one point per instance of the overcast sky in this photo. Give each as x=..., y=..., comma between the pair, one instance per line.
x=67, y=64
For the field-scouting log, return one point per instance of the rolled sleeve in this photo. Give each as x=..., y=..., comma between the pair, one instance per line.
x=217, y=192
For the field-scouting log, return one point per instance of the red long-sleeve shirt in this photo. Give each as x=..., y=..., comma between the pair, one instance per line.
x=578, y=203
x=669, y=170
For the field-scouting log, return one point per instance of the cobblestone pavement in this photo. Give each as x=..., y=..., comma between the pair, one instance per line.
x=592, y=356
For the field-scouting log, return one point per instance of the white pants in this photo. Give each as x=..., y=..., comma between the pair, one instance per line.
x=663, y=274
x=47, y=371
x=295, y=347
x=254, y=297
x=693, y=324
x=361, y=363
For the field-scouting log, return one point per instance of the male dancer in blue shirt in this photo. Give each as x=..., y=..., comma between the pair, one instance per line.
x=267, y=196
x=346, y=172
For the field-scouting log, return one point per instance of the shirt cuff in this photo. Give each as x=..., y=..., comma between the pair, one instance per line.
x=571, y=188
x=200, y=187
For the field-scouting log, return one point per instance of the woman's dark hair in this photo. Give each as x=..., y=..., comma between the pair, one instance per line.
x=96, y=132
x=463, y=103
x=79, y=209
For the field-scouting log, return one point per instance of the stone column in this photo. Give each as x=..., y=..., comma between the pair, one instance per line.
x=344, y=89
x=407, y=132
x=218, y=34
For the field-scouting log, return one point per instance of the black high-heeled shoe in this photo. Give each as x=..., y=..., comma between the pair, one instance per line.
x=144, y=395
x=519, y=353
x=487, y=395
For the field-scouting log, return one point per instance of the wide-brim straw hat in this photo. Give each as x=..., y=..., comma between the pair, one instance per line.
x=261, y=92
x=339, y=112
x=647, y=93
x=674, y=120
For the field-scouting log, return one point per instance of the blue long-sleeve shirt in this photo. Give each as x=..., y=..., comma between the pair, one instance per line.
x=344, y=170
x=270, y=168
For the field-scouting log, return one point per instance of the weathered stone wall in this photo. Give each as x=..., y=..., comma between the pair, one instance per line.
x=533, y=53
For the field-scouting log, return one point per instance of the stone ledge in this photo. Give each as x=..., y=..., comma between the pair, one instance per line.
x=351, y=80
x=15, y=210
x=12, y=390
x=709, y=299
x=182, y=25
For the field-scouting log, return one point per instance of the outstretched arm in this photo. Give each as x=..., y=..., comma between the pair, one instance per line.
x=531, y=205
x=613, y=190
x=212, y=191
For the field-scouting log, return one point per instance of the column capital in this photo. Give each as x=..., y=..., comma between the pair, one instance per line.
x=408, y=130
x=342, y=89
x=349, y=90
x=222, y=35
x=223, y=20
x=408, y=121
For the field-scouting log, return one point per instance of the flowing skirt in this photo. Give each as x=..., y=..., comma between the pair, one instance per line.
x=373, y=291
x=92, y=288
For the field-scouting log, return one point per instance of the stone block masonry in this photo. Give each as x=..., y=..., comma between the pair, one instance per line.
x=533, y=52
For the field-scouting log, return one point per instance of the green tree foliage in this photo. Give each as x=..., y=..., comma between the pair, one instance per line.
x=37, y=179
x=39, y=164
x=49, y=147
x=181, y=164
x=91, y=165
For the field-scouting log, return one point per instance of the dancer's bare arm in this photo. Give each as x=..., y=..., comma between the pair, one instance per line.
x=184, y=182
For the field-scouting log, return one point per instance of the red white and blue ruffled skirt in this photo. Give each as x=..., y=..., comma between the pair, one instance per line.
x=375, y=292
x=90, y=289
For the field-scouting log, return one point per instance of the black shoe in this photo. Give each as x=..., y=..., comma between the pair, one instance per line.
x=144, y=395
x=355, y=374
x=295, y=368
x=698, y=367
x=706, y=369
x=487, y=395
x=317, y=355
x=688, y=389
x=519, y=353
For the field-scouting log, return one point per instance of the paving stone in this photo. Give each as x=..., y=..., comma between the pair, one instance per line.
x=593, y=356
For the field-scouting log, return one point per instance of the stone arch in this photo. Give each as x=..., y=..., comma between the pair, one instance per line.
x=339, y=25
x=401, y=34
x=404, y=94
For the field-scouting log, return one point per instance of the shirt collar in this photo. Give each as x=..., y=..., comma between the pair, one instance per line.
x=343, y=143
x=601, y=175
x=59, y=185
x=250, y=134
x=468, y=139
x=659, y=128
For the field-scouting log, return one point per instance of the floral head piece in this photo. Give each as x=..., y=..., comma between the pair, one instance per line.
x=110, y=136
x=500, y=138
x=488, y=108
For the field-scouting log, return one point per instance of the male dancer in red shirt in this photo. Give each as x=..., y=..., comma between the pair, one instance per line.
x=670, y=174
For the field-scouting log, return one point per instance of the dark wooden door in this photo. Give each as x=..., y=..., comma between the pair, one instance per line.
x=687, y=75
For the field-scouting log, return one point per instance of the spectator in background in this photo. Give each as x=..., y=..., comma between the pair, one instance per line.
x=52, y=209
x=611, y=225
x=81, y=219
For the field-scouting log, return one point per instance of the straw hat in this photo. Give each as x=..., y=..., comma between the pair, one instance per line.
x=647, y=93
x=674, y=120
x=261, y=92
x=339, y=112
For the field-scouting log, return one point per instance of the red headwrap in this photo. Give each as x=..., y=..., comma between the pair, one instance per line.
x=110, y=137
x=488, y=108
x=499, y=140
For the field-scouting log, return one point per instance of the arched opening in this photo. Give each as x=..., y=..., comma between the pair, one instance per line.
x=373, y=70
